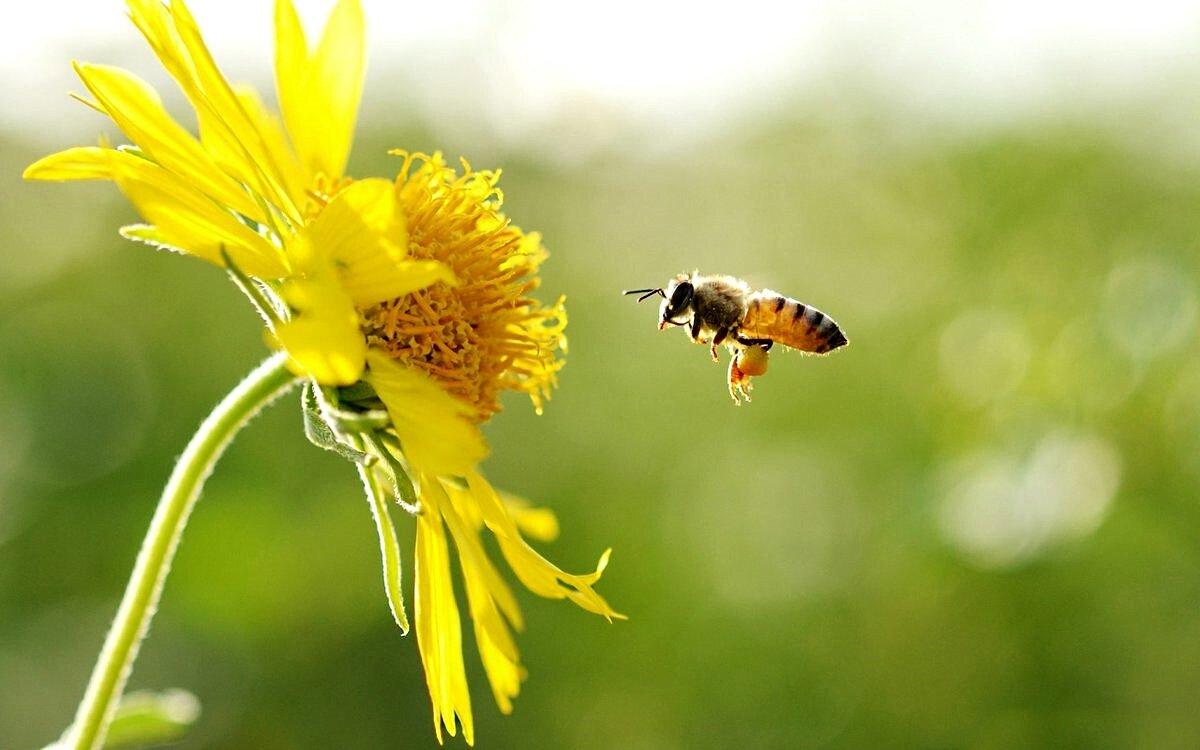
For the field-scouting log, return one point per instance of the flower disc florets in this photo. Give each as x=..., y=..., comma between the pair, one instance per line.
x=484, y=335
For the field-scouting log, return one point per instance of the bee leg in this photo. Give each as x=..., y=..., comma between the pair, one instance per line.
x=766, y=344
x=735, y=378
x=717, y=339
x=739, y=382
x=695, y=330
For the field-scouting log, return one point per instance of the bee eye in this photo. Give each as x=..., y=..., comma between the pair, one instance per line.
x=681, y=296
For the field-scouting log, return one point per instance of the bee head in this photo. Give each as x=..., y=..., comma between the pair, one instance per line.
x=677, y=299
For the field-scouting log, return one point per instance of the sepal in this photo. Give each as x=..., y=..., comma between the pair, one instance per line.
x=321, y=434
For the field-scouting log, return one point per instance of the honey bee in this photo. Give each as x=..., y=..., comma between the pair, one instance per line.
x=725, y=310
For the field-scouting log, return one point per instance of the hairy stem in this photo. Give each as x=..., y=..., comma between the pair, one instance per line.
x=268, y=380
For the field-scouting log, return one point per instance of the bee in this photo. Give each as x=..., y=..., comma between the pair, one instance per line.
x=725, y=310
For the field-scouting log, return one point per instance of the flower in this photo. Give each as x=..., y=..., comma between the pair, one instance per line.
x=405, y=305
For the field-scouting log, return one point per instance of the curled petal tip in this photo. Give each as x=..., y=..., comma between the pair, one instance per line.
x=600, y=566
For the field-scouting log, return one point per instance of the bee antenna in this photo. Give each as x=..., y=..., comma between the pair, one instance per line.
x=646, y=293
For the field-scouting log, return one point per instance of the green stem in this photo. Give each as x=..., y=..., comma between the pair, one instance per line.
x=95, y=712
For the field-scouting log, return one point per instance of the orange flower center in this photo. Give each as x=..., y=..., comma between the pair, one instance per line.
x=486, y=335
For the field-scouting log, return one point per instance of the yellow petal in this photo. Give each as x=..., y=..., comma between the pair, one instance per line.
x=185, y=219
x=275, y=142
x=505, y=675
x=79, y=163
x=227, y=130
x=136, y=109
x=319, y=92
x=359, y=223
x=485, y=589
x=497, y=651
x=323, y=339
x=245, y=150
x=364, y=234
x=435, y=428
x=379, y=280
x=539, y=523
x=468, y=510
x=450, y=501
x=538, y=574
x=439, y=630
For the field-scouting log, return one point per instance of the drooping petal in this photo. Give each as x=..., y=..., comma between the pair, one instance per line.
x=439, y=629
x=319, y=91
x=538, y=574
x=489, y=596
x=435, y=428
x=538, y=523
x=505, y=674
x=485, y=589
x=136, y=109
x=460, y=507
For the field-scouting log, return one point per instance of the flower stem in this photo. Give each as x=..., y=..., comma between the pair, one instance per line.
x=268, y=380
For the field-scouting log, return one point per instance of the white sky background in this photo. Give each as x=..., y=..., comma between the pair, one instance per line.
x=570, y=75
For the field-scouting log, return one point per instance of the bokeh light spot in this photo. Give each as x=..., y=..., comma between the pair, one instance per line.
x=1002, y=510
x=1149, y=308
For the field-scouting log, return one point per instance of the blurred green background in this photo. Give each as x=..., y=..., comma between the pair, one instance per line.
x=975, y=527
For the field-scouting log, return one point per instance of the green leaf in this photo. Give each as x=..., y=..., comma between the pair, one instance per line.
x=148, y=718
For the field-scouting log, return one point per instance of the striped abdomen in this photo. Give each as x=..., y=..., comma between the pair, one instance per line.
x=770, y=315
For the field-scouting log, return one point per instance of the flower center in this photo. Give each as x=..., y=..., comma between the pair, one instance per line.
x=485, y=335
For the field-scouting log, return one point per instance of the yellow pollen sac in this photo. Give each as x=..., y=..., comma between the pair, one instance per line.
x=486, y=334
x=752, y=361
x=743, y=365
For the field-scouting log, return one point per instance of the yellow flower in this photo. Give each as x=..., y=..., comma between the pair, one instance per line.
x=405, y=304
